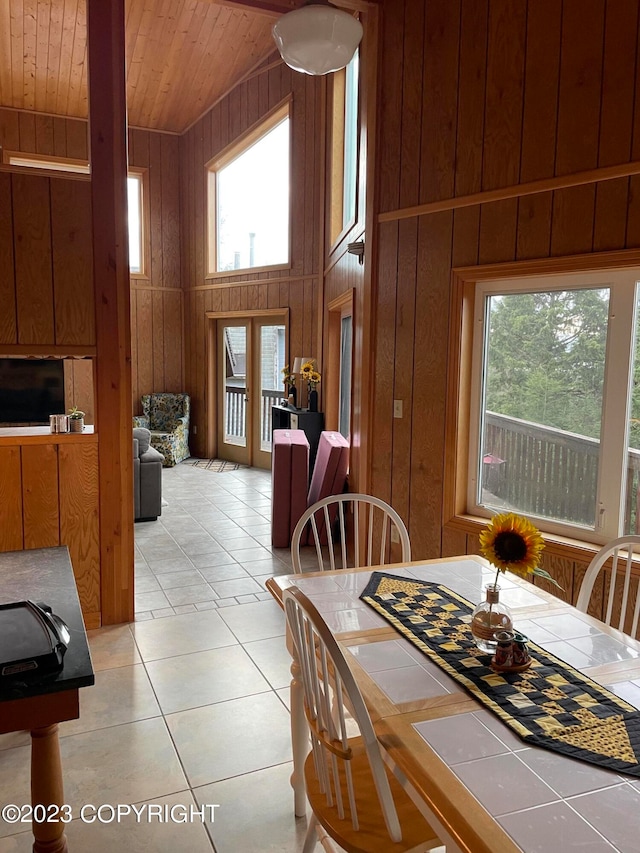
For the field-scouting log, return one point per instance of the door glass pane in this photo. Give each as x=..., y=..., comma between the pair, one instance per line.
x=344, y=424
x=541, y=408
x=271, y=387
x=235, y=403
x=632, y=485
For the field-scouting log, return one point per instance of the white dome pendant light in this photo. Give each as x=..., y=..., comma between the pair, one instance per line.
x=317, y=38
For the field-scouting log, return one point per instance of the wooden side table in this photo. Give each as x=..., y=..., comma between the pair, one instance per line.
x=46, y=574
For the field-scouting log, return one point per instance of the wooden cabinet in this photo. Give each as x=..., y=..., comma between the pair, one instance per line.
x=49, y=497
x=287, y=417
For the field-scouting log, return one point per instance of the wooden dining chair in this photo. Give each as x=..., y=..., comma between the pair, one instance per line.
x=329, y=523
x=620, y=552
x=354, y=799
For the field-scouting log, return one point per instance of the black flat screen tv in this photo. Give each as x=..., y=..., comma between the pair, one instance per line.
x=31, y=389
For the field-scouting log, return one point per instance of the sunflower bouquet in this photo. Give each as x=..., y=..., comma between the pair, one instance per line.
x=288, y=378
x=312, y=376
x=512, y=543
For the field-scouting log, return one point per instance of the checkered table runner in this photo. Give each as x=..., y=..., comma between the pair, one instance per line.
x=550, y=704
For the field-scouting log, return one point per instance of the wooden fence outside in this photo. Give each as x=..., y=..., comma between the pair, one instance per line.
x=549, y=472
x=236, y=413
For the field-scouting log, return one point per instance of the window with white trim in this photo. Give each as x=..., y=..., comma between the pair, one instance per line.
x=248, y=207
x=555, y=402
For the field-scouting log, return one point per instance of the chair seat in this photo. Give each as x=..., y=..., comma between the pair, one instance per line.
x=169, y=445
x=372, y=835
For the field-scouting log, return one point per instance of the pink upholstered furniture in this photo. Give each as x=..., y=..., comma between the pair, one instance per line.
x=290, y=477
x=329, y=471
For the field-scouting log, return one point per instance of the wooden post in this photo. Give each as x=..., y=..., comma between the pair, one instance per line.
x=108, y=157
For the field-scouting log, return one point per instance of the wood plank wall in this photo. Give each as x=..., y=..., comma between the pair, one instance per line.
x=477, y=95
x=296, y=288
x=52, y=211
x=156, y=297
x=45, y=283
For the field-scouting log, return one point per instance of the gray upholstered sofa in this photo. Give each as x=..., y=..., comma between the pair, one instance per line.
x=147, y=477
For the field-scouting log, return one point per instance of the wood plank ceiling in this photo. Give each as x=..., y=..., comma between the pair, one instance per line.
x=182, y=55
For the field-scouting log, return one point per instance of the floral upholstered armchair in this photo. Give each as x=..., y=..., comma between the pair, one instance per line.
x=167, y=416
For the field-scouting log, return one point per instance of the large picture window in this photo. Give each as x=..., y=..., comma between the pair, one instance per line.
x=249, y=200
x=555, y=402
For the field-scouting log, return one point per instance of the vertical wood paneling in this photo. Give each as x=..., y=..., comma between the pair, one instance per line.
x=79, y=386
x=157, y=334
x=391, y=107
x=157, y=340
x=498, y=224
x=471, y=96
x=173, y=341
x=32, y=251
x=170, y=183
x=40, y=495
x=9, y=130
x=155, y=206
x=10, y=500
x=8, y=322
x=441, y=62
x=578, y=122
x=79, y=517
x=72, y=262
x=77, y=142
x=412, y=101
x=135, y=390
x=144, y=320
x=385, y=337
x=616, y=121
x=504, y=93
x=44, y=135
x=404, y=365
x=544, y=25
x=429, y=383
x=27, y=127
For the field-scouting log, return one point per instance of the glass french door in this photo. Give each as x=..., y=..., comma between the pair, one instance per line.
x=251, y=355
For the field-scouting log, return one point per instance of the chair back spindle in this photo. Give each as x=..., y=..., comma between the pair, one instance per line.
x=621, y=553
x=333, y=537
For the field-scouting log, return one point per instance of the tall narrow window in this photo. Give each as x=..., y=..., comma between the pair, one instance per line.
x=249, y=200
x=556, y=401
x=350, y=141
x=344, y=148
x=134, y=209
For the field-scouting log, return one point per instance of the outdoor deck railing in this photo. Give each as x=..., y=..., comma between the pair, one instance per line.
x=236, y=412
x=549, y=472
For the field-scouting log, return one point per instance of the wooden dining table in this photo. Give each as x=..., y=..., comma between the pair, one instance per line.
x=482, y=788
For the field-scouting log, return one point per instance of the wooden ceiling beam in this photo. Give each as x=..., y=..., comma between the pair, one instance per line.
x=276, y=8
x=270, y=8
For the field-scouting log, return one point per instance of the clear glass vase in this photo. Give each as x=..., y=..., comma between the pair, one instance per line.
x=490, y=615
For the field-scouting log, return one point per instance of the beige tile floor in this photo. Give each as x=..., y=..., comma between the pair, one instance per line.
x=190, y=702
